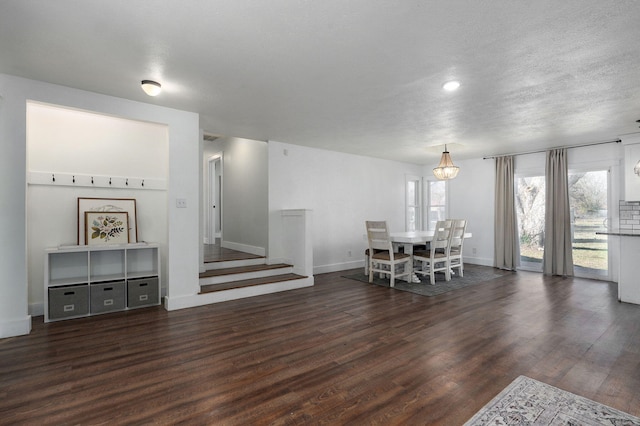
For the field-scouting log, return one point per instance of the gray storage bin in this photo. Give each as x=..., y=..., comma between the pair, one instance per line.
x=107, y=297
x=143, y=292
x=68, y=301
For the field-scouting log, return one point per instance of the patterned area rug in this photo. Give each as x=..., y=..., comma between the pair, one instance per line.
x=529, y=402
x=473, y=274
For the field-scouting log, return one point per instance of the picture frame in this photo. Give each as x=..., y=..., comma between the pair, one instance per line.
x=87, y=204
x=105, y=228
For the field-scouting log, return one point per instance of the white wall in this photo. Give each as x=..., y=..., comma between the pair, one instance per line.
x=245, y=191
x=343, y=191
x=14, y=317
x=183, y=224
x=472, y=197
x=61, y=140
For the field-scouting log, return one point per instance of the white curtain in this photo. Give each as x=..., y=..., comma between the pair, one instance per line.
x=507, y=247
x=558, y=258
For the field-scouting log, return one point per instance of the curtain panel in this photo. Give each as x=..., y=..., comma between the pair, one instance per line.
x=507, y=246
x=558, y=257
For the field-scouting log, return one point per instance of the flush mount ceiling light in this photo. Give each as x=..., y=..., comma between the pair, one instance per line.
x=446, y=169
x=151, y=88
x=450, y=86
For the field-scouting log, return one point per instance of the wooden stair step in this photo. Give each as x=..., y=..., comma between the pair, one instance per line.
x=249, y=283
x=242, y=270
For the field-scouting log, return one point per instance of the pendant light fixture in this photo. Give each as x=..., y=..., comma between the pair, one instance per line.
x=446, y=169
x=151, y=88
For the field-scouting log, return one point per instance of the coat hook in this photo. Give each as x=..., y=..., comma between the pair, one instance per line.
x=109, y=181
x=91, y=180
x=53, y=177
x=142, y=182
x=126, y=182
x=74, y=179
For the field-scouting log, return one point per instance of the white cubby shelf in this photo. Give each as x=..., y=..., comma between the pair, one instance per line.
x=86, y=280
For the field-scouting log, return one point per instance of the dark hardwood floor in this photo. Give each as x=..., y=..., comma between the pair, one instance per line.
x=341, y=352
x=216, y=253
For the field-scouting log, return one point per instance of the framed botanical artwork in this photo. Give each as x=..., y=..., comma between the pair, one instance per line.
x=111, y=205
x=106, y=228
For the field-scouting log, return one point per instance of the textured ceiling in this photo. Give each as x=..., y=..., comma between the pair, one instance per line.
x=358, y=76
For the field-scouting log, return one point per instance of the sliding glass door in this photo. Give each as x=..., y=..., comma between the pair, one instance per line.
x=588, y=191
x=530, y=210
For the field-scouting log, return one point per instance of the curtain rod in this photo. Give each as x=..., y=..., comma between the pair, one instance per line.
x=545, y=150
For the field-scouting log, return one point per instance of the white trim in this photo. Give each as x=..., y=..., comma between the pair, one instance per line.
x=336, y=267
x=482, y=261
x=258, y=251
x=16, y=327
x=36, y=309
x=211, y=180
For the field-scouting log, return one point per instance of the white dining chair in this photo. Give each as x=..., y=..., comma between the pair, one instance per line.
x=436, y=258
x=456, y=243
x=382, y=258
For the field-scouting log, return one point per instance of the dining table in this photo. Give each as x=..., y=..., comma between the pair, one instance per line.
x=408, y=239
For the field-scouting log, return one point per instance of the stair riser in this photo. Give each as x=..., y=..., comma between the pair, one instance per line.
x=241, y=293
x=245, y=276
x=233, y=264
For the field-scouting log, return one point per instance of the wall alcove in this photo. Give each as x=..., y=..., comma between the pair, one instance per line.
x=73, y=153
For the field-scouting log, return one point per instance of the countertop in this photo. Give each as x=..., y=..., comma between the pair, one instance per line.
x=620, y=232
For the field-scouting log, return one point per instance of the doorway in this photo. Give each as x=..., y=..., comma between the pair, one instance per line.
x=588, y=199
x=589, y=195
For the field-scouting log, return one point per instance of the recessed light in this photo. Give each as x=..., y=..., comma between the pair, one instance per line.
x=450, y=86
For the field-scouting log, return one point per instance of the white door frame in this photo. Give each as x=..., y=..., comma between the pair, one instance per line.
x=214, y=197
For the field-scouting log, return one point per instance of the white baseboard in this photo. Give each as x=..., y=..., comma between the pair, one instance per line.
x=482, y=261
x=258, y=251
x=18, y=327
x=335, y=267
x=36, y=309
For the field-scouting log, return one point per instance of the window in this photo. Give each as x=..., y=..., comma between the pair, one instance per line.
x=435, y=202
x=412, y=221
